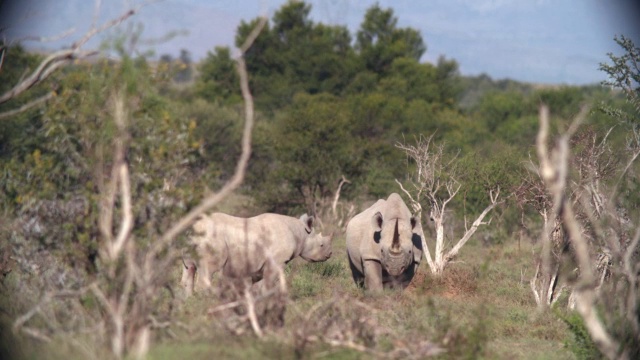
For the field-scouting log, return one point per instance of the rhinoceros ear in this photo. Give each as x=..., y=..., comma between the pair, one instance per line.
x=376, y=222
x=308, y=222
x=414, y=222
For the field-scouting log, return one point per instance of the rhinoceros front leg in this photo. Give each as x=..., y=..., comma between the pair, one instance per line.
x=358, y=277
x=212, y=260
x=373, y=276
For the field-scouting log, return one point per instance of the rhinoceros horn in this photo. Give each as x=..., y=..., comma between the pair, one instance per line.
x=395, y=245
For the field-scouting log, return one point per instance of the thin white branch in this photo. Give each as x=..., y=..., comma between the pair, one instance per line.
x=534, y=288
x=119, y=175
x=336, y=197
x=27, y=106
x=554, y=172
x=417, y=207
x=251, y=312
x=36, y=334
x=126, y=224
x=62, y=57
x=454, y=251
x=241, y=166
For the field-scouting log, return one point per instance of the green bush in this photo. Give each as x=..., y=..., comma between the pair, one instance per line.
x=580, y=344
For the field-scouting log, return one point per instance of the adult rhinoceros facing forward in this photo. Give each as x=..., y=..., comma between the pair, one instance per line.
x=384, y=245
x=249, y=247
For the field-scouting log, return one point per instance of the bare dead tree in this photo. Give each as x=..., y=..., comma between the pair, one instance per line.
x=592, y=163
x=336, y=196
x=586, y=221
x=434, y=183
x=339, y=213
x=544, y=283
x=133, y=274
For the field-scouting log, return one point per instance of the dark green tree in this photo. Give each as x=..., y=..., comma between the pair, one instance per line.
x=313, y=146
x=218, y=80
x=379, y=41
x=624, y=74
x=185, y=70
x=296, y=55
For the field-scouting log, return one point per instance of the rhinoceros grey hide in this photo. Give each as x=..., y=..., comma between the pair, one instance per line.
x=251, y=247
x=384, y=245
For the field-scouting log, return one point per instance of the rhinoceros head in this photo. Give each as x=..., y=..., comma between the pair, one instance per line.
x=317, y=248
x=394, y=235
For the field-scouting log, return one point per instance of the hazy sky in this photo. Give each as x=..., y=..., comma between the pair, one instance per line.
x=543, y=41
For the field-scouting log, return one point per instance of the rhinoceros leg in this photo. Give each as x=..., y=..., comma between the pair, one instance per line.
x=401, y=281
x=213, y=258
x=373, y=276
x=358, y=277
x=408, y=275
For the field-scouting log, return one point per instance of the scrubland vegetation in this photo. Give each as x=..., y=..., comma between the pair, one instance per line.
x=94, y=180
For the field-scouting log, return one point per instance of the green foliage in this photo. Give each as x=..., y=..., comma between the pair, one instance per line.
x=56, y=172
x=563, y=102
x=297, y=55
x=475, y=87
x=580, y=344
x=380, y=41
x=498, y=108
x=22, y=128
x=312, y=147
x=218, y=80
x=485, y=173
x=624, y=74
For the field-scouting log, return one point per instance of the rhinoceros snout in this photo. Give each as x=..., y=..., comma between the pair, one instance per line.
x=396, y=264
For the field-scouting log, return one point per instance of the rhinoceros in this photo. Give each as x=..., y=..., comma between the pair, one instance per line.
x=384, y=245
x=248, y=247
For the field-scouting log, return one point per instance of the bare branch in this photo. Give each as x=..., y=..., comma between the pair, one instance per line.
x=534, y=288
x=553, y=170
x=122, y=177
x=36, y=334
x=62, y=58
x=454, y=251
x=336, y=197
x=241, y=166
x=44, y=39
x=27, y=106
x=251, y=312
x=253, y=35
x=585, y=290
x=18, y=324
x=417, y=207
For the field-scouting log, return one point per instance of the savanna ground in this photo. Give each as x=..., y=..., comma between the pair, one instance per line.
x=482, y=307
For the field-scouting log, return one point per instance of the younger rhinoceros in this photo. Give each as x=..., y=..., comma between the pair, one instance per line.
x=384, y=245
x=248, y=247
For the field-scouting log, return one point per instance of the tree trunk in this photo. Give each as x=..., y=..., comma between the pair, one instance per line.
x=439, y=256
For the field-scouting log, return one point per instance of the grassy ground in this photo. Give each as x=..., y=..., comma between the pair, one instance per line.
x=482, y=307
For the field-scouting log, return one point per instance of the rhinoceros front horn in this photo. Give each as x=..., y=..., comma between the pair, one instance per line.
x=395, y=244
